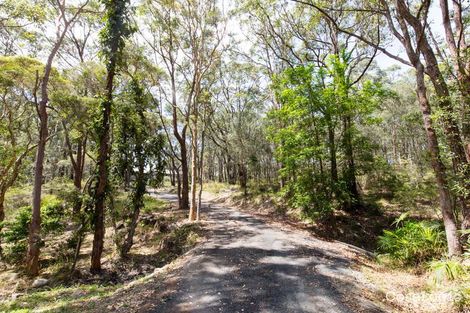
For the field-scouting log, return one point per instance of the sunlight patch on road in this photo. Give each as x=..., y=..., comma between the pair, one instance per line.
x=218, y=269
x=283, y=260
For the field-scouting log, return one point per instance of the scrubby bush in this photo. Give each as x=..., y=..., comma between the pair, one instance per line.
x=152, y=204
x=415, y=189
x=15, y=253
x=180, y=239
x=52, y=215
x=413, y=243
x=299, y=195
x=382, y=178
x=15, y=231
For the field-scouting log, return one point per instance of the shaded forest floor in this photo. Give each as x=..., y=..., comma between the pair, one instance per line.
x=162, y=236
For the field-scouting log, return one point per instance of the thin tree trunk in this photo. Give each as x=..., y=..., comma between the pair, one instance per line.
x=102, y=183
x=137, y=204
x=445, y=198
x=178, y=184
x=2, y=218
x=140, y=185
x=221, y=169
x=32, y=261
x=201, y=166
x=193, y=207
x=332, y=148
x=353, y=201
x=173, y=173
x=184, y=204
x=80, y=235
x=77, y=166
x=242, y=178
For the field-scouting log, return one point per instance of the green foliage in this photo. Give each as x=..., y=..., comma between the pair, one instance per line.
x=137, y=154
x=296, y=137
x=300, y=195
x=138, y=144
x=448, y=269
x=15, y=231
x=116, y=29
x=413, y=242
x=180, y=239
x=52, y=215
x=19, y=72
x=306, y=129
x=414, y=189
x=382, y=178
x=152, y=204
x=462, y=297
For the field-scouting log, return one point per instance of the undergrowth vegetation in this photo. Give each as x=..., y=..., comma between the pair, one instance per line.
x=15, y=230
x=413, y=243
x=420, y=246
x=57, y=299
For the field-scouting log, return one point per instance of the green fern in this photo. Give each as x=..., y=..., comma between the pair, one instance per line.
x=413, y=243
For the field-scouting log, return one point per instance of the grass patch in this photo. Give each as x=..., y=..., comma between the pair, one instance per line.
x=462, y=297
x=152, y=204
x=216, y=187
x=21, y=196
x=448, y=270
x=57, y=299
x=15, y=198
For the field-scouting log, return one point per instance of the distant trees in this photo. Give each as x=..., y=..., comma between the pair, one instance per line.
x=187, y=40
x=237, y=148
x=17, y=139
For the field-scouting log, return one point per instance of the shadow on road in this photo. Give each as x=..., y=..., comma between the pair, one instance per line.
x=249, y=266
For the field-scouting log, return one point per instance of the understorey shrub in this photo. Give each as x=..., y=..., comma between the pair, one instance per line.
x=413, y=243
x=15, y=231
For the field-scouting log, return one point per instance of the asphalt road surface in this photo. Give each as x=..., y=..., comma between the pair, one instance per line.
x=250, y=266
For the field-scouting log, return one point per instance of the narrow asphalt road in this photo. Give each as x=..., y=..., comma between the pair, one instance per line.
x=248, y=265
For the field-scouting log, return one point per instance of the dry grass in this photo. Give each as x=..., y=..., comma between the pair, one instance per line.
x=408, y=290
